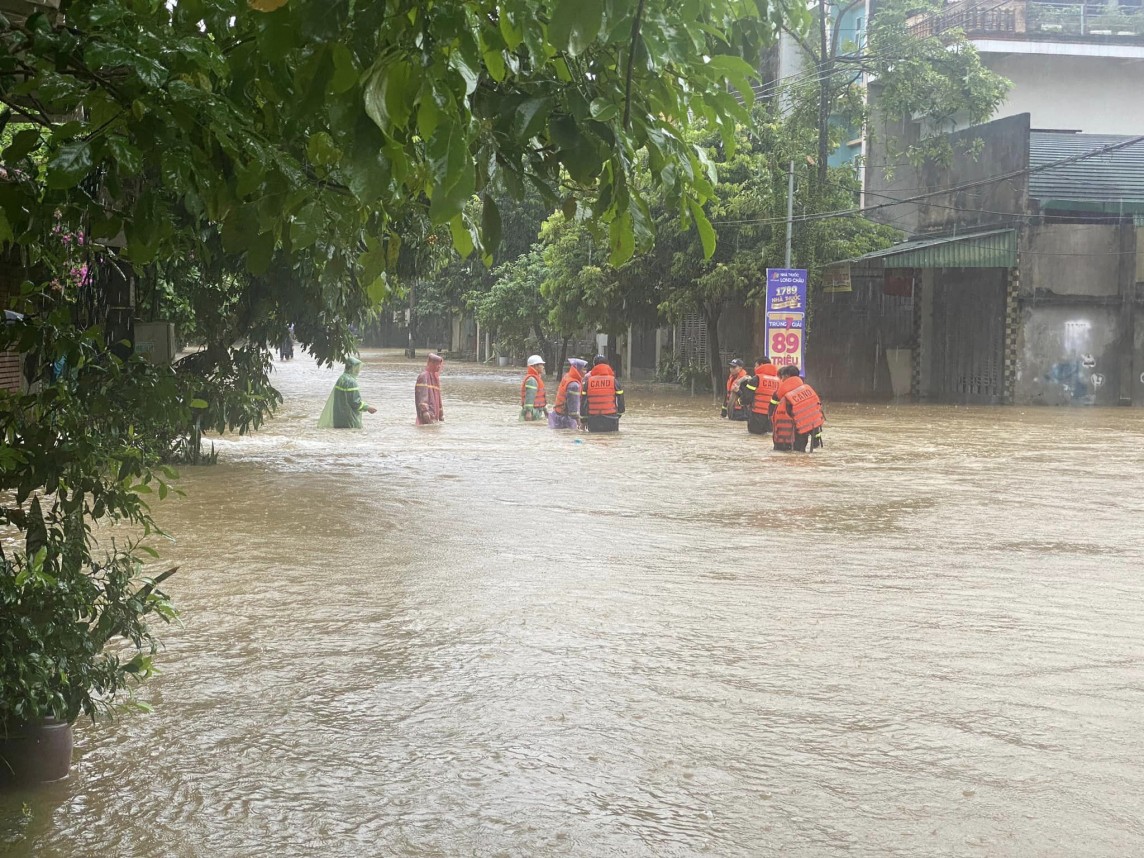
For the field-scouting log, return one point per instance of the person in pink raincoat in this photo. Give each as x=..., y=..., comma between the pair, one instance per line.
x=427, y=393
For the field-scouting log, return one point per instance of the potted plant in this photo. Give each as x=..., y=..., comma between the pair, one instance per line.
x=75, y=638
x=509, y=346
x=78, y=451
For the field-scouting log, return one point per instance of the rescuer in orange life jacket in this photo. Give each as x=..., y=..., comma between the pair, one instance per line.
x=602, y=401
x=756, y=392
x=796, y=413
x=733, y=407
x=533, y=401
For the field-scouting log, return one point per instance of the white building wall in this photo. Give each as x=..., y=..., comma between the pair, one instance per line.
x=1096, y=95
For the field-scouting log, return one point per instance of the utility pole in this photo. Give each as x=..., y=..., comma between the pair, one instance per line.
x=789, y=211
x=826, y=71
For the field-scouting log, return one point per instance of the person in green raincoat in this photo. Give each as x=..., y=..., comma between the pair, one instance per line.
x=344, y=407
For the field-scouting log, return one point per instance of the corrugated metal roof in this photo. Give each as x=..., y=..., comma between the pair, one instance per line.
x=994, y=249
x=1113, y=181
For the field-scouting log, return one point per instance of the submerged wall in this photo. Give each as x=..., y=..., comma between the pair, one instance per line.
x=1078, y=342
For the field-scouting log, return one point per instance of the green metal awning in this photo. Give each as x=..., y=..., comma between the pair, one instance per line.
x=995, y=249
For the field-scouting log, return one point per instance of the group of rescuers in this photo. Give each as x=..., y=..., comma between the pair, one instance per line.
x=775, y=400
x=772, y=400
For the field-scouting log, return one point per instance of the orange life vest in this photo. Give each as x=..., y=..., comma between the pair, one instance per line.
x=768, y=384
x=805, y=409
x=600, y=388
x=561, y=406
x=782, y=423
x=539, y=401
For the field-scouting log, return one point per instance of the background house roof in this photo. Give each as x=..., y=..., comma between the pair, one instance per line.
x=1108, y=182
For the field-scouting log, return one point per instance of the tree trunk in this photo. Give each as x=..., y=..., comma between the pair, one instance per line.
x=411, y=349
x=563, y=356
x=614, y=355
x=545, y=346
x=711, y=317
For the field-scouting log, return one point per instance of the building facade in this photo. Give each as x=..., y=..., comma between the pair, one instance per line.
x=1021, y=282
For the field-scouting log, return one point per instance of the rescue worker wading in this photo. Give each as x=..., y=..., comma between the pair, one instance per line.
x=796, y=413
x=427, y=393
x=533, y=403
x=566, y=411
x=733, y=408
x=756, y=392
x=602, y=402
x=344, y=408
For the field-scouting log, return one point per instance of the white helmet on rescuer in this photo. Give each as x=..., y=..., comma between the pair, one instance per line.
x=536, y=360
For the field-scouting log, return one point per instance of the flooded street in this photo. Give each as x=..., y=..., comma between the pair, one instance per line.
x=490, y=638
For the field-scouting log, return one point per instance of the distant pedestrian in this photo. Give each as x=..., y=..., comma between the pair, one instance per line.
x=602, y=402
x=345, y=407
x=427, y=393
x=566, y=410
x=796, y=413
x=286, y=347
x=533, y=402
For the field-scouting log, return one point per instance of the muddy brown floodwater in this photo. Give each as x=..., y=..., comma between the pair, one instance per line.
x=488, y=638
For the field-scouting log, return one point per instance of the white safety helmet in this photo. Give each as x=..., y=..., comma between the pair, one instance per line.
x=536, y=360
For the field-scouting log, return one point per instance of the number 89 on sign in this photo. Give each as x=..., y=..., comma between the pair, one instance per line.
x=785, y=346
x=787, y=342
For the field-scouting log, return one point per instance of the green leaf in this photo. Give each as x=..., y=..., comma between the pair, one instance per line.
x=322, y=151
x=128, y=157
x=579, y=151
x=305, y=227
x=575, y=24
x=531, y=116
x=378, y=290
x=490, y=223
x=452, y=172
x=602, y=110
x=511, y=34
x=494, y=62
x=704, y=228
x=22, y=144
x=70, y=166
x=345, y=69
x=107, y=57
x=372, y=261
x=462, y=237
x=389, y=95
x=467, y=68
x=738, y=72
x=622, y=239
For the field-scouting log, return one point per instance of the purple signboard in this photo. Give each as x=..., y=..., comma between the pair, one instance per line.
x=786, y=315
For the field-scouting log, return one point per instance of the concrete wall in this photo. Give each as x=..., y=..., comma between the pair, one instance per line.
x=1070, y=259
x=1079, y=339
x=1089, y=94
x=998, y=148
x=1068, y=356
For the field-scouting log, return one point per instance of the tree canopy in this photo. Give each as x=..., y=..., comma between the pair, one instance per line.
x=295, y=137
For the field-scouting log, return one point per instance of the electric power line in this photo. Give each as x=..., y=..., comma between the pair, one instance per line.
x=1025, y=171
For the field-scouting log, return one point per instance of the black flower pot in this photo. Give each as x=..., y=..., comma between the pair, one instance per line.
x=35, y=753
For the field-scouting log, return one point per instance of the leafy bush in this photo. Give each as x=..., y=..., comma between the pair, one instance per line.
x=82, y=447
x=60, y=621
